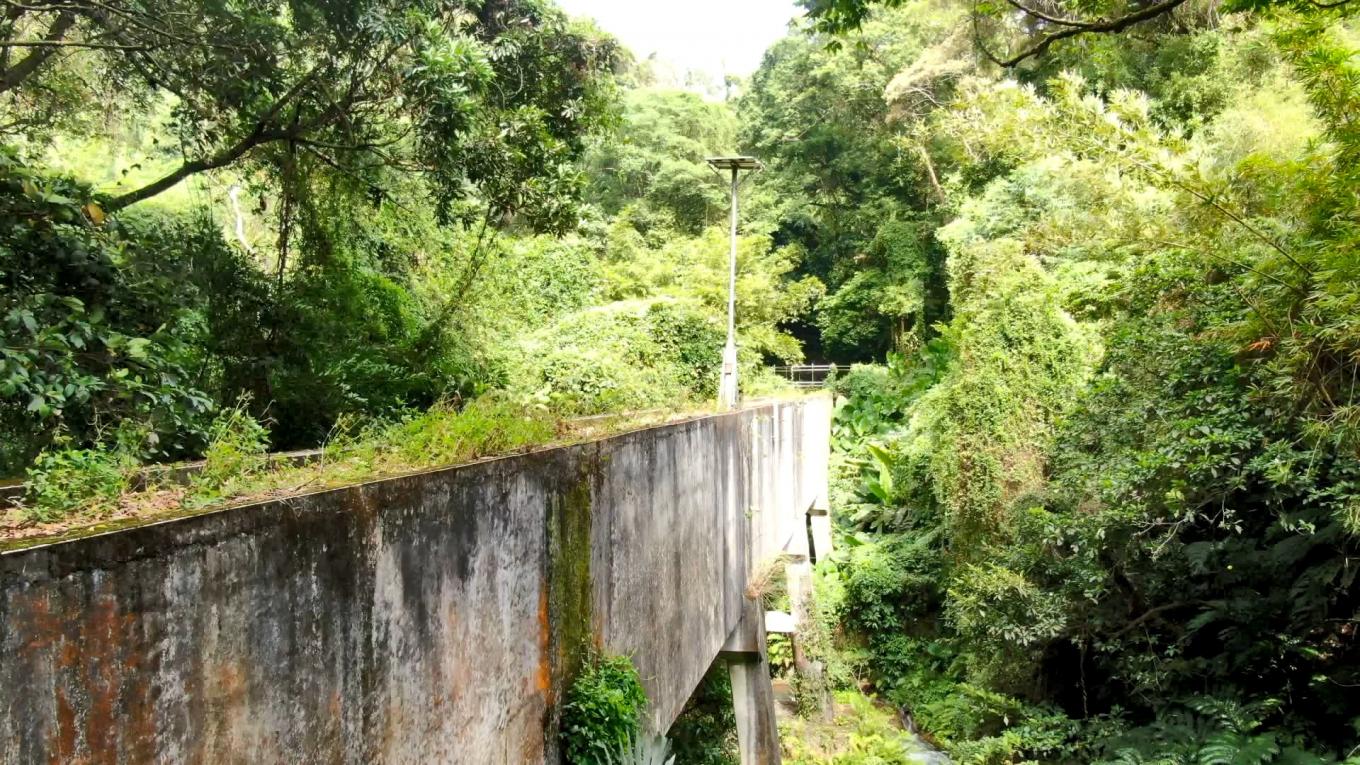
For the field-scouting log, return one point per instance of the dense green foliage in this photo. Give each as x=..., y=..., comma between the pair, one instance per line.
x=325, y=291
x=845, y=186
x=602, y=712
x=309, y=238
x=1107, y=513
x=705, y=733
x=654, y=166
x=863, y=733
x=89, y=340
x=302, y=89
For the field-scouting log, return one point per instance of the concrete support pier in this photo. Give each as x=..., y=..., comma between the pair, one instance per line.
x=752, y=693
x=811, y=672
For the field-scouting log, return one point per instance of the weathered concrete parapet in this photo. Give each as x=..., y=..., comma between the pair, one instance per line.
x=427, y=618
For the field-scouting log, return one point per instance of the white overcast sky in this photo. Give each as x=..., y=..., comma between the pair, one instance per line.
x=716, y=36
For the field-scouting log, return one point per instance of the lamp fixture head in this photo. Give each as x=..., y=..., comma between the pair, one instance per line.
x=734, y=163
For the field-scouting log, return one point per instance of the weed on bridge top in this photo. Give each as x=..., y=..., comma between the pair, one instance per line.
x=76, y=491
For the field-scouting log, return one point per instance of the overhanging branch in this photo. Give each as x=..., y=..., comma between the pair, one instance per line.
x=52, y=44
x=13, y=76
x=221, y=159
x=1073, y=28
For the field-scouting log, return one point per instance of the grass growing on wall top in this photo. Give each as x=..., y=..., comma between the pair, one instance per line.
x=77, y=492
x=73, y=488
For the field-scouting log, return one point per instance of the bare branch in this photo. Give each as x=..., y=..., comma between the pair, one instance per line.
x=1073, y=28
x=70, y=44
x=930, y=173
x=261, y=134
x=1046, y=17
x=13, y=76
x=1153, y=612
x=221, y=159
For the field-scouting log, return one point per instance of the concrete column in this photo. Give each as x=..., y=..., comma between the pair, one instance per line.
x=798, y=575
x=753, y=701
x=809, y=670
x=752, y=693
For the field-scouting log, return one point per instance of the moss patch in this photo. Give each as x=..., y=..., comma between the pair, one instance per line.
x=569, y=587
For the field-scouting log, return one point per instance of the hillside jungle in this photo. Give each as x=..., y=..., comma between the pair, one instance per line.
x=1094, y=264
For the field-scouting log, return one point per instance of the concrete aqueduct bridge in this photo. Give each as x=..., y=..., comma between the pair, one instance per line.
x=430, y=618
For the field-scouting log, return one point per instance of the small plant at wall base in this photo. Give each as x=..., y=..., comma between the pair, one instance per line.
x=603, y=711
x=779, y=651
x=645, y=750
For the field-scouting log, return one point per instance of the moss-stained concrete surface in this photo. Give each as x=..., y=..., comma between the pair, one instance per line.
x=567, y=628
x=423, y=619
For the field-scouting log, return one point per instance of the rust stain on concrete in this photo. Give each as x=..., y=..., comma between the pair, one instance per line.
x=63, y=746
x=102, y=636
x=32, y=613
x=543, y=678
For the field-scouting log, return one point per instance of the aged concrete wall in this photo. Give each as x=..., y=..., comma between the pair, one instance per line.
x=423, y=619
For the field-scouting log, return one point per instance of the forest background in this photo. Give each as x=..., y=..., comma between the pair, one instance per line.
x=1098, y=496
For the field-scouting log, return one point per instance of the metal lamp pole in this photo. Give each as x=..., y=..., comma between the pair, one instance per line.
x=727, y=384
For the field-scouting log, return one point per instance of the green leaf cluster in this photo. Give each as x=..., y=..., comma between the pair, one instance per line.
x=1133, y=470
x=602, y=712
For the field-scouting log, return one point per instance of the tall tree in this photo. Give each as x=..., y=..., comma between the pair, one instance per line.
x=844, y=180
x=469, y=95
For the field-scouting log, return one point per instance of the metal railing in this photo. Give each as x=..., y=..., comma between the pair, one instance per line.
x=806, y=375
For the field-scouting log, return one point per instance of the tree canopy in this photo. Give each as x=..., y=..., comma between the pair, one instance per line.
x=1102, y=511
x=494, y=96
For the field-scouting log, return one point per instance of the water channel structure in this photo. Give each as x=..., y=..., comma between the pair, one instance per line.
x=428, y=618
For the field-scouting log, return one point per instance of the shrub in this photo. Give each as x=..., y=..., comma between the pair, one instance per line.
x=780, y=651
x=645, y=750
x=603, y=711
x=873, y=737
x=968, y=712
x=912, y=671
x=491, y=424
x=601, y=360
x=90, y=334
x=1006, y=621
x=237, y=447
x=874, y=584
x=63, y=481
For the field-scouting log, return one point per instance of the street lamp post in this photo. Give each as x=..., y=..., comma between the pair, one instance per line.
x=727, y=384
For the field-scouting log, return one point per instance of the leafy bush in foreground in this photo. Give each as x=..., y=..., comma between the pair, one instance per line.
x=602, y=712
